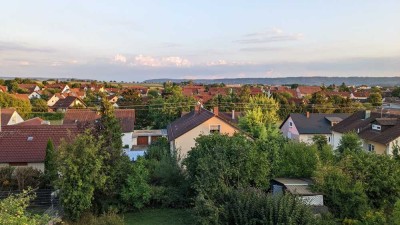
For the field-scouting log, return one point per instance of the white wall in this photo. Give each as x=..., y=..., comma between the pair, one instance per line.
x=290, y=132
x=15, y=118
x=127, y=139
x=336, y=137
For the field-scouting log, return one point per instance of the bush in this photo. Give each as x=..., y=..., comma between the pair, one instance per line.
x=110, y=218
x=6, y=180
x=28, y=177
x=13, y=211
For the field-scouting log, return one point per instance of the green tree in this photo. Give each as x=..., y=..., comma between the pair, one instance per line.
x=320, y=141
x=80, y=166
x=349, y=142
x=344, y=196
x=260, y=117
x=50, y=164
x=13, y=210
x=137, y=191
x=39, y=105
x=296, y=160
x=23, y=107
x=396, y=92
x=375, y=99
x=219, y=162
x=396, y=213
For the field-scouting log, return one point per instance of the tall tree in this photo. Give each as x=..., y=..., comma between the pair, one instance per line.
x=80, y=166
x=50, y=164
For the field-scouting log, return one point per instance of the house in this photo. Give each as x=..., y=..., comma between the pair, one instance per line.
x=34, y=94
x=54, y=98
x=379, y=131
x=3, y=89
x=304, y=91
x=359, y=96
x=67, y=103
x=126, y=118
x=9, y=117
x=299, y=187
x=143, y=138
x=64, y=88
x=29, y=87
x=183, y=131
x=112, y=99
x=303, y=127
x=26, y=145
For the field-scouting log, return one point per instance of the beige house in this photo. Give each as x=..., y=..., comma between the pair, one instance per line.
x=183, y=131
x=379, y=131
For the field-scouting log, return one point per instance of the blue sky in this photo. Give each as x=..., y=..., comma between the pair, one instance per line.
x=139, y=40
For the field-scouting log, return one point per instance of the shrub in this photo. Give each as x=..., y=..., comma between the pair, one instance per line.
x=28, y=177
x=6, y=179
x=110, y=218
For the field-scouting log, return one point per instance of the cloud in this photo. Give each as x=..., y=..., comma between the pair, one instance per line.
x=170, y=45
x=272, y=35
x=149, y=61
x=19, y=47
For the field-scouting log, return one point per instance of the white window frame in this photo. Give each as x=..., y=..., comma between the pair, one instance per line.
x=219, y=128
x=376, y=127
x=371, y=147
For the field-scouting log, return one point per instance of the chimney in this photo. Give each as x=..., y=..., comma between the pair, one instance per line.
x=367, y=114
x=233, y=114
x=308, y=115
x=197, y=108
x=216, y=111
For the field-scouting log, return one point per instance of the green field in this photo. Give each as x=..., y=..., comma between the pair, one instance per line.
x=159, y=217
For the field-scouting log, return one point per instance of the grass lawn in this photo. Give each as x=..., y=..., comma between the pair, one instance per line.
x=159, y=217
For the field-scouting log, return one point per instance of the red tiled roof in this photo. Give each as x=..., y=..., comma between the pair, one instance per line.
x=3, y=88
x=125, y=116
x=28, y=143
x=31, y=122
x=30, y=87
x=362, y=94
x=24, y=97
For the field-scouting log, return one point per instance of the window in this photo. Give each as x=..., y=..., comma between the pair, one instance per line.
x=376, y=127
x=290, y=124
x=371, y=147
x=215, y=128
x=329, y=139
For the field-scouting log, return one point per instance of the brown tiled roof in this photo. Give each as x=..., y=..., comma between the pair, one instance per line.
x=308, y=90
x=28, y=143
x=362, y=126
x=187, y=122
x=125, y=116
x=29, y=87
x=66, y=102
x=6, y=116
x=190, y=120
x=31, y=122
x=362, y=94
x=228, y=116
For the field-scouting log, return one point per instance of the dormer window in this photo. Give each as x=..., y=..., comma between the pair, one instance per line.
x=376, y=127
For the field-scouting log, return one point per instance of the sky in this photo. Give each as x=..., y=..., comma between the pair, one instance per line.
x=138, y=40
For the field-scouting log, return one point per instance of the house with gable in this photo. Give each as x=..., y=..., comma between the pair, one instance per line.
x=378, y=130
x=303, y=127
x=67, y=103
x=10, y=117
x=183, y=131
x=126, y=118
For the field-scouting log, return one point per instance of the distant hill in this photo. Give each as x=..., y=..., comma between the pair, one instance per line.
x=371, y=81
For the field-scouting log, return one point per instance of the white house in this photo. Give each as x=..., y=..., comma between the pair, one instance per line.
x=9, y=117
x=303, y=127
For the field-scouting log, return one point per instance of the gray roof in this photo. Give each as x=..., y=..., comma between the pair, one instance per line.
x=317, y=123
